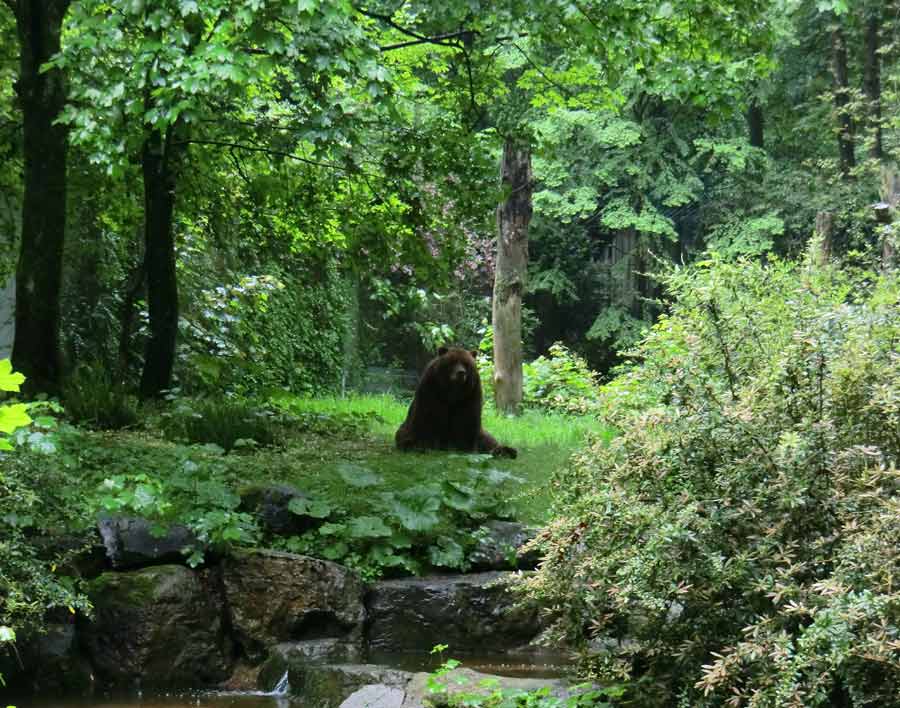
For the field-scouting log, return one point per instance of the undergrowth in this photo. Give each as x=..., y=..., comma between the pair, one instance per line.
x=372, y=508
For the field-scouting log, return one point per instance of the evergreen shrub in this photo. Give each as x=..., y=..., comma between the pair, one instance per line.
x=735, y=545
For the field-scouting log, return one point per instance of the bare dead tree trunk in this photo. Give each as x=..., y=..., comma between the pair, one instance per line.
x=872, y=81
x=36, y=350
x=513, y=217
x=842, y=100
x=821, y=243
x=884, y=214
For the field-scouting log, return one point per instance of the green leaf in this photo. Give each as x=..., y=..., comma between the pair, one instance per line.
x=357, y=476
x=446, y=553
x=369, y=527
x=9, y=381
x=335, y=551
x=13, y=417
x=317, y=509
x=416, y=512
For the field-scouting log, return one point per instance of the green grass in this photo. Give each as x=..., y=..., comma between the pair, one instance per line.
x=530, y=430
x=338, y=451
x=545, y=442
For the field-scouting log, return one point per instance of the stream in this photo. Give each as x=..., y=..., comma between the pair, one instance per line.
x=205, y=700
x=279, y=697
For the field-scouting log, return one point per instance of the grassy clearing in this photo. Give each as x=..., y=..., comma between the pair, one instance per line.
x=340, y=453
x=530, y=430
x=319, y=464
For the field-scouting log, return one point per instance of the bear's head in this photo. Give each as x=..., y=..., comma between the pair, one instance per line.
x=456, y=372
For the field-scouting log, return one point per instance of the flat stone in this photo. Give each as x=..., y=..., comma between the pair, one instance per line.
x=467, y=681
x=294, y=657
x=375, y=696
x=470, y=613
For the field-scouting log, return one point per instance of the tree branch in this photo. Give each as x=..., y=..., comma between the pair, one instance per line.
x=268, y=151
x=437, y=39
x=562, y=89
x=419, y=38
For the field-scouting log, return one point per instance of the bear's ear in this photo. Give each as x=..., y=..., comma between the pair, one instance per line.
x=474, y=353
x=442, y=351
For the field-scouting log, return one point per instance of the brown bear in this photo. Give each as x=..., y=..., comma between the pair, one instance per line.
x=445, y=413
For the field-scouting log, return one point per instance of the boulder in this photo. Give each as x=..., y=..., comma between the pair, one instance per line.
x=470, y=613
x=159, y=626
x=275, y=597
x=330, y=685
x=293, y=657
x=271, y=505
x=375, y=696
x=130, y=542
x=498, y=547
x=467, y=681
x=49, y=663
x=374, y=686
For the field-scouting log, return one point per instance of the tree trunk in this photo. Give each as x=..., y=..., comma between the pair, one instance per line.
x=39, y=272
x=884, y=214
x=159, y=262
x=872, y=81
x=842, y=100
x=134, y=286
x=513, y=216
x=756, y=124
x=820, y=246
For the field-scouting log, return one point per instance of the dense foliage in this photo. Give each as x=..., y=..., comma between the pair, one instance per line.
x=33, y=496
x=732, y=545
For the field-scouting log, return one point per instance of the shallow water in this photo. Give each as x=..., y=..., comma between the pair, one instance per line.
x=207, y=700
x=546, y=666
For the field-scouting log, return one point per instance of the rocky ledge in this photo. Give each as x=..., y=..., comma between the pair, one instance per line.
x=255, y=617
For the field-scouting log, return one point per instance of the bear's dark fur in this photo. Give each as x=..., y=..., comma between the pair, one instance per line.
x=446, y=411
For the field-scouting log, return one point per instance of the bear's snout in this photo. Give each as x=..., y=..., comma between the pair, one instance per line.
x=458, y=374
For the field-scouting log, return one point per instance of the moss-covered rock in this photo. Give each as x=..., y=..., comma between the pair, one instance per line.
x=160, y=626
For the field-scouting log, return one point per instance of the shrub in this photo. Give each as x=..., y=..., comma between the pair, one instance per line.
x=33, y=502
x=228, y=423
x=561, y=382
x=94, y=399
x=266, y=332
x=735, y=544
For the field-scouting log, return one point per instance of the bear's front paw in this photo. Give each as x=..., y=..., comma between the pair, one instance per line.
x=505, y=451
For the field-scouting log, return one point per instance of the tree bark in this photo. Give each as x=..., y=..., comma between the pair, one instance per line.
x=158, y=164
x=842, y=100
x=756, y=124
x=885, y=212
x=513, y=217
x=822, y=238
x=872, y=81
x=36, y=346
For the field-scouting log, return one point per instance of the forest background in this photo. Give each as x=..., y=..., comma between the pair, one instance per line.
x=237, y=203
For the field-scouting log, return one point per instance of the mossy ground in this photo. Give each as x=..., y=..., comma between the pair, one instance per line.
x=378, y=510
x=352, y=435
